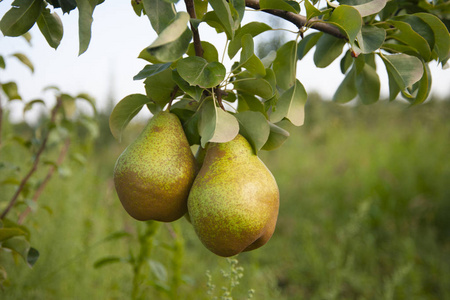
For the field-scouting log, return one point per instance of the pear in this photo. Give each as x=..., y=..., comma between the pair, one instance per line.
x=154, y=174
x=233, y=203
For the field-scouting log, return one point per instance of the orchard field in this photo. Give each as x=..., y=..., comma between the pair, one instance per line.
x=364, y=214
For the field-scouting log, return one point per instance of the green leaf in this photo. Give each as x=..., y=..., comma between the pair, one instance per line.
x=368, y=85
x=307, y=43
x=420, y=27
x=328, y=48
x=209, y=51
x=11, y=91
x=348, y=20
x=276, y=4
x=7, y=233
x=248, y=58
x=252, y=28
x=24, y=59
x=145, y=55
x=269, y=58
x=124, y=111
x=277, y=137
x=250, y=102
x=254, y=86
x=65, y=5
x=194, y=91
x=171, y=51
x=89, y=99
x=201, y=7
x=22, y=247
x=404, y=69
x=441, y=35
x=85, y=11
x=311, y=10
x=69, y=106
x=198, y=71
x=158, y=270
x=32, y=256
x=191, y=128
x=371, y=7
x=150, y=70
x=223, y=12
x=346, y=61
x=160, y=87
x=347, y=89
x=21, y=17
x=216, y=125
x=2, y=62
x=30, y=104
x=160, y=13
x=107, y=261
x=173, y=31
x=421, y=89
x=51, y=27
x=409, y=37
x=285, y=64
x=213, y=20
x=239, y=5
x=27, y=37
x=291, y=105
x=138, y=7
x=254, y=127
x=371, y=38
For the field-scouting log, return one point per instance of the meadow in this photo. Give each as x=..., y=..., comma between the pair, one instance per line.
x=364, y=214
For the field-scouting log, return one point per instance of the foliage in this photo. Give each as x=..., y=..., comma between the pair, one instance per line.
x=211, y=98
x=21, y=185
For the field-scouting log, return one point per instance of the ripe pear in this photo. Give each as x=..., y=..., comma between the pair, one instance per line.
x=233, y=203
x=154, y=174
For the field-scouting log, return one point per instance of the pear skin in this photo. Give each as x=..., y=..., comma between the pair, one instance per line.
x=154, y=174
x=234, y=200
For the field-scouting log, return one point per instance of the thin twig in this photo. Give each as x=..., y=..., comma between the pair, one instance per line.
x=1, y=120
x=33, y=169
x=172, y=97
x=47, y=178
x=196, y=36
x=298, y=20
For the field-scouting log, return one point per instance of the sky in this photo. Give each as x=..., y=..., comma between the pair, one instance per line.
x=118, y=36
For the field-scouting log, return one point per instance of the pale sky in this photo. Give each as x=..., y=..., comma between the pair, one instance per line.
x=110, y=62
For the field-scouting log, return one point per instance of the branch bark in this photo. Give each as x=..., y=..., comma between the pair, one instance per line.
x=196, y=36
x=33, y=169
x=298, y=20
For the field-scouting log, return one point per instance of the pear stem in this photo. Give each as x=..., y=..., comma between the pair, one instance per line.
x=219, y=92
x=172, y=97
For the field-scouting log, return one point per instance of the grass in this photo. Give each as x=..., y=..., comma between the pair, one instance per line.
x=365, y=206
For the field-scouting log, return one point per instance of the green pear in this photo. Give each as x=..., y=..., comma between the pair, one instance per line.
x=154, y=174
x=233, y=203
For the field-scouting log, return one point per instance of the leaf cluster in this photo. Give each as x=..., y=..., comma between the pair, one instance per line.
x=25, y=13
x=256, y=96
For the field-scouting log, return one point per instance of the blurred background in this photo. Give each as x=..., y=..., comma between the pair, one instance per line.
x=364, y=191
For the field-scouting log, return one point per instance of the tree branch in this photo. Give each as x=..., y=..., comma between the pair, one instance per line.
x=47, y=178
x=298, y=20
x=196, y=36
x=33, y=169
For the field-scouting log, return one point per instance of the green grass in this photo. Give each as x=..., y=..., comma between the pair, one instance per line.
x=364, y=214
